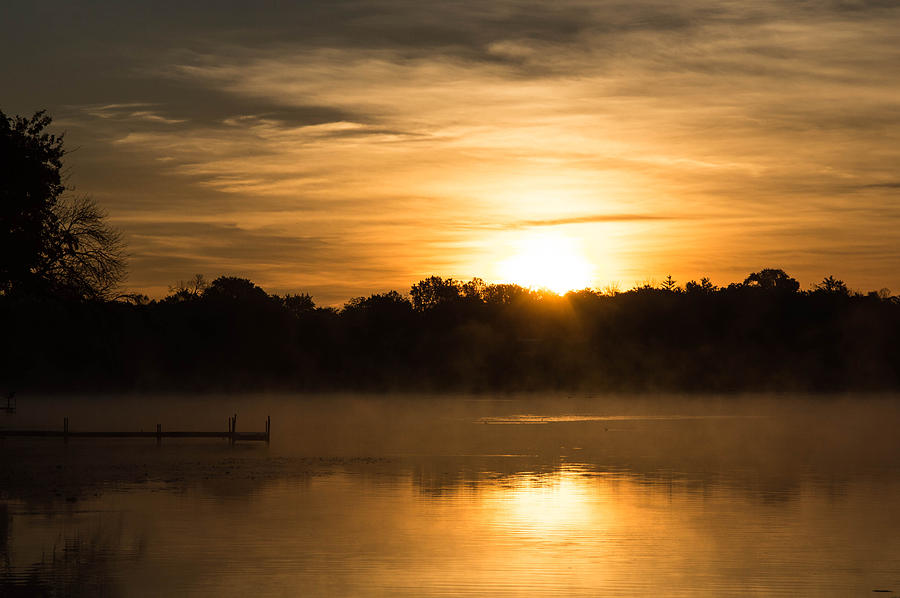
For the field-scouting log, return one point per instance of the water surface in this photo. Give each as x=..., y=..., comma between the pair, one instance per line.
x=432, y=496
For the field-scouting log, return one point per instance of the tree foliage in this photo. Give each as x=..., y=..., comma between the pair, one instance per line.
x=188, y=290
x=669, y=284
x=50, y=243
x=86, y=255
x=233, y=288
x=30, y=187
x=772, y=279
x=832, y=285
x=704, y=286
x=231, y=334
x=434, y=291
x=297, y=304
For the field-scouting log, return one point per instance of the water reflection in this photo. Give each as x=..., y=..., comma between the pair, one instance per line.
x=554, y=506
x=79, y=560
x=573, y=531
x=441, y=504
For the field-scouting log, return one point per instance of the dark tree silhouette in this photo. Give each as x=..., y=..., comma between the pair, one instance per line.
x=390, y=302
x=474, y=289
x=704, y=286
x=669, y=284
x=434, y=291
x=30, y=186
x=504, y=294
x=232, y=335
x=50, y=243
x=772, y=279
x=233, y=288
x=832, y=285
x=86, y=256
x=189, y=290
x=297, y=305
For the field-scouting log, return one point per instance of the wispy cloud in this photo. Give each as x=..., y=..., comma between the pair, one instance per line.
x=885, y=185
x=547, y=222
x=134, y=111
x=421, y=136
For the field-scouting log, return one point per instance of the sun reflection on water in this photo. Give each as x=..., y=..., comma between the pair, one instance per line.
x=547, y=506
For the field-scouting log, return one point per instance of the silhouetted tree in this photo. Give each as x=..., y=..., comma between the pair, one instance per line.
x=188, y=290
x=49, y=243
x=233, y=288
x=474, y=289
x=379, y=302
x=612, y=289
x=434, y=291
x=134, y=298
x=832, y=285
x=30, y=186
x=582, y=295
x=772, y=279
x=504, y=294
x=704, y=286
x=669, y=284
x=502, y=337
x=86, y=255
x=297, y=305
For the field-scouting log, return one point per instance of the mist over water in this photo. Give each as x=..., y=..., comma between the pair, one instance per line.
x=457, y=495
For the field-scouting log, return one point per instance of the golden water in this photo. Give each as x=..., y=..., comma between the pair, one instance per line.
x=424, y=496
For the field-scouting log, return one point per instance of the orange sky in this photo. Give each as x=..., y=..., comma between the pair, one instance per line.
x=343, y=148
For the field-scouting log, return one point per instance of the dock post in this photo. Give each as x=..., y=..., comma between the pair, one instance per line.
x=268, y=428
x=158, y=434
x=233, y=428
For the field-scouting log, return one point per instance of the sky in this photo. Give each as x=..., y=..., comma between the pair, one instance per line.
x=342, y=148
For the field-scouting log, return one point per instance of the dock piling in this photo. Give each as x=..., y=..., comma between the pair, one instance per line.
x=231, y=435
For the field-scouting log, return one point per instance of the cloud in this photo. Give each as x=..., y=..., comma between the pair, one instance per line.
x=885, y=185
x=127, y=112
x=592, y=218
x=584, y=219
x=270, y=256
x=403, y=135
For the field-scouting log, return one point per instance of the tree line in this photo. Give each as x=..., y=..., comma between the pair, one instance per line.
x=67, y=327
x=761, y=334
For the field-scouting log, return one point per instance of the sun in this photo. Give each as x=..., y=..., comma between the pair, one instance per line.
x=548, y=261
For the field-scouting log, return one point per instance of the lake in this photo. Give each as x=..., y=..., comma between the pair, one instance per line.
x=524, y=495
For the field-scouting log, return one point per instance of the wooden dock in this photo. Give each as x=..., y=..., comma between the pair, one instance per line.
x=232, y=435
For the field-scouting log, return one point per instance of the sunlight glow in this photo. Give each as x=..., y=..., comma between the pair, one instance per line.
x=547, y=510
x=549, y=261
x=567, y=505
